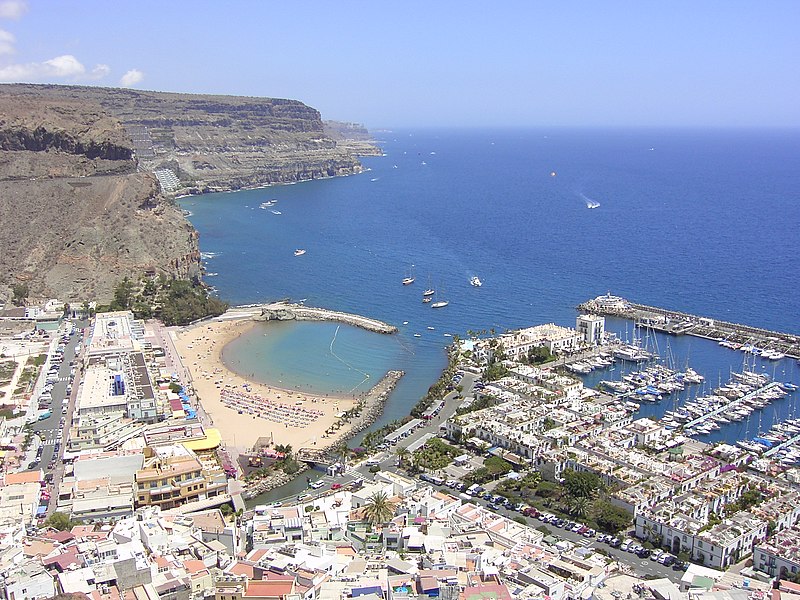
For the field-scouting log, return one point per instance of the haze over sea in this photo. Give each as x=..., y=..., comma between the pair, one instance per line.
x=703, y=221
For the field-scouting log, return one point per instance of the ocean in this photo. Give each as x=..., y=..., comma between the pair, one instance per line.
x=702, y=221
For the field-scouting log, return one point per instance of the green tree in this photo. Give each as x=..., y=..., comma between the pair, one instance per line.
x=60, y=521
x=122, y=295
x=378, y=509
x=19, y=293
x=580, y=484
x=609, y=517
x=497, y=466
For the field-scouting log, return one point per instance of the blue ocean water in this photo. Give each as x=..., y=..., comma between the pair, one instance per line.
x=703, y=221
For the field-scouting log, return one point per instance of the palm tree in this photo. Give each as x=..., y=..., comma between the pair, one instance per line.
x=378, y=509
x=402, y=454
x=580, y=506
x=285, y=449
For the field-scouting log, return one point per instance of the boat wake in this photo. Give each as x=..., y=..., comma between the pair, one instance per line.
x=589, y=202
x=208, y=255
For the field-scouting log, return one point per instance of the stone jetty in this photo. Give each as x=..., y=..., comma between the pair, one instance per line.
x=285, y=311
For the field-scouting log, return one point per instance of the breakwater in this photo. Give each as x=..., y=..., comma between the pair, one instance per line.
x=284, y=311
x=680, y=323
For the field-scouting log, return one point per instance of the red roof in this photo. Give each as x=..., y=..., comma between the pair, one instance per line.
x=269, y=589
x=494, y=591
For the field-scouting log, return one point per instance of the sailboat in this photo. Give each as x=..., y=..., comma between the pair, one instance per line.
x=428, y=292
x=409, y=279
x=439, y=304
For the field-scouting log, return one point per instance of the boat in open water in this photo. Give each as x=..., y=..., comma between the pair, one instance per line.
x=299, y=252
x=474, y=281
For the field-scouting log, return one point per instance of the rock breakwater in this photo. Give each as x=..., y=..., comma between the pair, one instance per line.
x=284, y=311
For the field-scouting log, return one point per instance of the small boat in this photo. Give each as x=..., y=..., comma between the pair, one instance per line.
x=409, y=278
x=431, y=328
x=405, y=322
x=299, y=252
x=592, y=204
x=474, y=281
x=429, y=292
x=275, y=212
x=417, y=335
x=439, y=304
x=426, y=299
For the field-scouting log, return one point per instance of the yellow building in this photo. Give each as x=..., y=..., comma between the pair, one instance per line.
x=173, y=475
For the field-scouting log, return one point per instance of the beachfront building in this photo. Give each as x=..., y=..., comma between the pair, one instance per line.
x=173, y=475
x=118, y=382
x=592, y=328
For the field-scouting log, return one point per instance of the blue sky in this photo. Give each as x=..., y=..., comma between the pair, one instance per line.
x=410, y=63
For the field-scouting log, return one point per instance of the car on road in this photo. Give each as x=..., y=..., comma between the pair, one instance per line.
x=315, y=485
x=336, y=486
x=615, y=542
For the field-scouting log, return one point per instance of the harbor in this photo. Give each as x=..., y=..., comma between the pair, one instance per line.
x=773, y=345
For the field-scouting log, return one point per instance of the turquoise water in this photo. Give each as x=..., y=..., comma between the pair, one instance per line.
x=317, y=358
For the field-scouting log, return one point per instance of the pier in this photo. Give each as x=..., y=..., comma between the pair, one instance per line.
x=791, y=441
x=680, y=323
x=732, y=404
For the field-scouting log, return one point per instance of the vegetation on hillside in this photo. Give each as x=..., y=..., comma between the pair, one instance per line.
x=174, y=301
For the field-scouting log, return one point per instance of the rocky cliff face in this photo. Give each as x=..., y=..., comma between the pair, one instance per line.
x=75, y=216
x=216, y=143
x=79, y=207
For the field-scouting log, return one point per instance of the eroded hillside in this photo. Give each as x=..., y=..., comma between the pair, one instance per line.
x=75, y=215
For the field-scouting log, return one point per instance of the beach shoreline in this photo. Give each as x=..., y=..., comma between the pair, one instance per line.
x=245, y=410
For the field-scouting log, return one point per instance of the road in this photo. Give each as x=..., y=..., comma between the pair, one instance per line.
x=53, y=431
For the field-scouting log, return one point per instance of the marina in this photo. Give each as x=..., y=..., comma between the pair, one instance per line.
x=773, y=345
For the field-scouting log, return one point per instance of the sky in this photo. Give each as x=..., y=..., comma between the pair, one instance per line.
x=725, y=63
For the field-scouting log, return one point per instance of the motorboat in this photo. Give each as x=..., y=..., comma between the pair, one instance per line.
x=474, y=281
x=299, y=252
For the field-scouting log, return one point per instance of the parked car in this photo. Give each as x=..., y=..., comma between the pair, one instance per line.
x=615, y=542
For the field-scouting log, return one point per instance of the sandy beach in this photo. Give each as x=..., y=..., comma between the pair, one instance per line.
x=245, y=410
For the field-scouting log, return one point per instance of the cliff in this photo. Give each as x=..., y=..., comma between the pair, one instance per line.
x=219, y=143
x=76, y=215
x=79, y=205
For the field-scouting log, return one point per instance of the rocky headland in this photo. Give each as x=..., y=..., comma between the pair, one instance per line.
x=79, y=206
